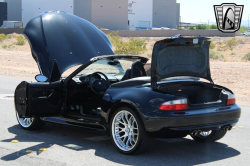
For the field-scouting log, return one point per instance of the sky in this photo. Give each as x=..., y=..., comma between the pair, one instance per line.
x=196, y=11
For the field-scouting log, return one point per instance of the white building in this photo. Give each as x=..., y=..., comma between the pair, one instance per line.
x=140, y=13
x=32, y=8
x=110, y=14
x=145, y=14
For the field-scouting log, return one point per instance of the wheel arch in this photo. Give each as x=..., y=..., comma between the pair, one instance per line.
x=124, y=103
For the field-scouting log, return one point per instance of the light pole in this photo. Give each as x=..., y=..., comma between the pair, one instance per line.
x=180, y=22
x=248, y=24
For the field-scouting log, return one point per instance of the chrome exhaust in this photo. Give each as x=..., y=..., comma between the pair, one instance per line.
x=199, y=132
x=194, y=133
x=227, y=128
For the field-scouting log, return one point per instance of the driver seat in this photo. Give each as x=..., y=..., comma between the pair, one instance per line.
x=136, y=70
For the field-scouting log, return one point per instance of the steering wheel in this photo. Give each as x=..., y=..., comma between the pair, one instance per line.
x=99, y=86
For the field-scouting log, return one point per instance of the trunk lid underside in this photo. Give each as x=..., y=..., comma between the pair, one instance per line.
x=180, y=57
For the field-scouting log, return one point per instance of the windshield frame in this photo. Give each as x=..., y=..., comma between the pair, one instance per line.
x=105, y=63
x=111, y=57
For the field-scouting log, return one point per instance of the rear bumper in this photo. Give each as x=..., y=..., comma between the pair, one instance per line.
x=215, y=117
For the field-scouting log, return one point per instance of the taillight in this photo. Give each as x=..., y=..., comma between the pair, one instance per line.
x=230, y=99
x=174, y=105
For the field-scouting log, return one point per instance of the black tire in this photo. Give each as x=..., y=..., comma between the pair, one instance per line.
x=212, y=137
x=36, y=124
x=144, y=141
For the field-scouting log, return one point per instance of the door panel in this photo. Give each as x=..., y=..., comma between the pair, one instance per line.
x=45, y=99
x=39, y=99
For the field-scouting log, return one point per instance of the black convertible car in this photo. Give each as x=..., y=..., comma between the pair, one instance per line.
x=112, y=93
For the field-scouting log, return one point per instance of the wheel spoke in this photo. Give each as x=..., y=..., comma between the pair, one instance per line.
x=118, y=132
x=126, y=116
x=123, y=119
x=120, y=122
x=128, y=140
x=130, y=121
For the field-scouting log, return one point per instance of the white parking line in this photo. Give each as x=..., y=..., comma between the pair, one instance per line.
x=73, y=146
x=7, y=96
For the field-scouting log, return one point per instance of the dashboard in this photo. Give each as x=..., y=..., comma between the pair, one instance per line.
x=86, y=79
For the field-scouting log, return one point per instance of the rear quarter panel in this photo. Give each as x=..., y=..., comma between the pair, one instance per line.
x=143, y=99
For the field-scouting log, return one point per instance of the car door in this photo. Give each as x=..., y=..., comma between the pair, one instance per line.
x=39, y=99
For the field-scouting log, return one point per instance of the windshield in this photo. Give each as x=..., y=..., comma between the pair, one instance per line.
x=108, y=66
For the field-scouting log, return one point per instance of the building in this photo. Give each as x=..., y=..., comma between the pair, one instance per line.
x=146, y=14
x=3, y=11
x=109, y=14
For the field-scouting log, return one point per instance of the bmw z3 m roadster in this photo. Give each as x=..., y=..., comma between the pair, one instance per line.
x=113, y=94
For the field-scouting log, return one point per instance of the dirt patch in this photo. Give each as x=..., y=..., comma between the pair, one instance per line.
x=235, y=76
x=233, y=73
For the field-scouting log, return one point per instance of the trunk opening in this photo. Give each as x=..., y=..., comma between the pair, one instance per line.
x=197, y=93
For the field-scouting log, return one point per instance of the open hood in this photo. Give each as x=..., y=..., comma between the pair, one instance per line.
x=180, y=57
x=66, y=38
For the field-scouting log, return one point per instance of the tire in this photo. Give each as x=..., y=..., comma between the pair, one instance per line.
x=131, y=131
x=33, y=123
x=213, y=136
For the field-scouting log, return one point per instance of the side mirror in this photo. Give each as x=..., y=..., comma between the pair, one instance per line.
x=41, y=78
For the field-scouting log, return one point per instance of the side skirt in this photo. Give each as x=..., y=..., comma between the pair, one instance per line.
x=91, y=126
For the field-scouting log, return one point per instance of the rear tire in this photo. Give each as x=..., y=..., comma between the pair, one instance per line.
x=213, y=136
x=128, y=132
x=33, y=123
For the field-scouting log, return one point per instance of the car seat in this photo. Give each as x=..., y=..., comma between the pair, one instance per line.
x=136, y=70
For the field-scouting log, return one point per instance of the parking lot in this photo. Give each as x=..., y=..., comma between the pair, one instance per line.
x=73, y=146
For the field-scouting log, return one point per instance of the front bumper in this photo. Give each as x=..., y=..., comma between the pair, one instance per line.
x=214, y=117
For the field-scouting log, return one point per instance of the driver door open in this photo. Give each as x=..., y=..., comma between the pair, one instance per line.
x=39, y=99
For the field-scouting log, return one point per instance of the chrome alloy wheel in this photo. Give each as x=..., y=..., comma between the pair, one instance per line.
x=205, y=133
x=125, y=130
x=24, y=122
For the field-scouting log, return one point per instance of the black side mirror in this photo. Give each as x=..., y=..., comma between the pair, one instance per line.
x=41, y=78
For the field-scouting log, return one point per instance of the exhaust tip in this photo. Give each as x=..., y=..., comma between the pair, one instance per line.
x=199, y=132
x=195, y=133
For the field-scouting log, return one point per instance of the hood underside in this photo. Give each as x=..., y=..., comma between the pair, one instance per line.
x=180, y=57
x=66, y=38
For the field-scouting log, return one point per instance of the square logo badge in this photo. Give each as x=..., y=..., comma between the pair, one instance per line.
x=228, y=17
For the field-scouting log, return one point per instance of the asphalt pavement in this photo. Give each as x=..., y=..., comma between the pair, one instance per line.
x=74, y=146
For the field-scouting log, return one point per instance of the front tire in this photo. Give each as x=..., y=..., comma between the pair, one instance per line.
x=210, y=136
x=128, y=133
x=33, y=123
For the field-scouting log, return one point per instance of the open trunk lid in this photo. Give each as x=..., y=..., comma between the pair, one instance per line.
x=180, y=57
